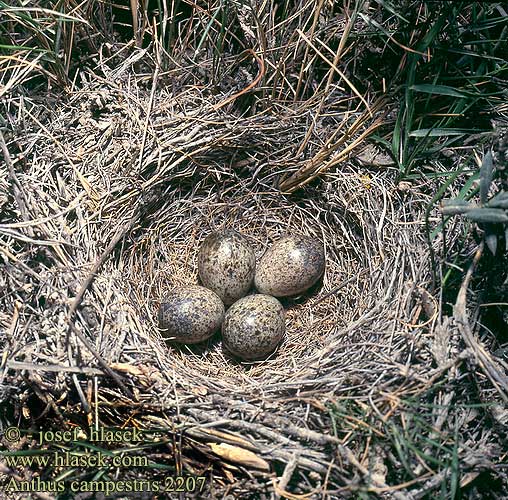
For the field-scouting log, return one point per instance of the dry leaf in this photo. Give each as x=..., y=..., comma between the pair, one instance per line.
x=127, y=368
x=239, y=455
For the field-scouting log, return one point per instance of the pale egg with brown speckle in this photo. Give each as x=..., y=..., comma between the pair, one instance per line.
x=226, y=265
x=190, y=314
x=290, y=266
x=253, y=327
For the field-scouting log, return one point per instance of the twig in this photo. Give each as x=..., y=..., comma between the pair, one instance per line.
x=19, y=193
x=122, y=231
x=484, y=360
x=280, y=487
x=150, y=102
x=251, y=85
x=18, y=365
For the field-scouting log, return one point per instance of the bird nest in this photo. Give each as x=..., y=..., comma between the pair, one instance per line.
x=117, y=190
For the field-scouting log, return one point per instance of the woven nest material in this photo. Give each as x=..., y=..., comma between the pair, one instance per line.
x=97, y=169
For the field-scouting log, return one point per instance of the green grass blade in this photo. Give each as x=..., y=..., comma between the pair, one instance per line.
x=438, y=89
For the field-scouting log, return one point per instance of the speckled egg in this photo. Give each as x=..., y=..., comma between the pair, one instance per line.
x=253, y=327
x=190, y=314
x=226, y=265
x=290, y=266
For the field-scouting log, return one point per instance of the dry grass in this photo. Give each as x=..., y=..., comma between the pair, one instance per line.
x=111, y=188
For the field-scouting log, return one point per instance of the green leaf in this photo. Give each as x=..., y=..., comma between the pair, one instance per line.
x=491, y=240
x=499, y=201
x=492, y=215
x=486, y=174
x=392, y=9
x=442, y=132
x=438, y=89
x=471, y=53
x=432, y=34
x=20, y=47
x=456, y=206
x=397, y=139
x=487, y=24
x=455, y=464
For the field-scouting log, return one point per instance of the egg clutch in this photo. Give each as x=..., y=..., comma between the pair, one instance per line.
x=254, y=324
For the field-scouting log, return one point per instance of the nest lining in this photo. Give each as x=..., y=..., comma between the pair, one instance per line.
x=312, y=320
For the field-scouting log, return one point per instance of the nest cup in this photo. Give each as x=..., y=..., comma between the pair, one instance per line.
x=312, y=318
